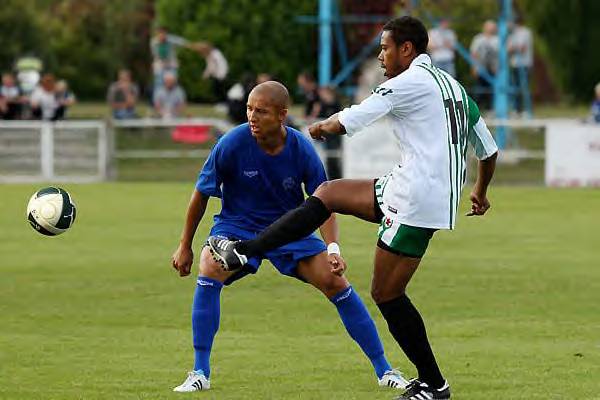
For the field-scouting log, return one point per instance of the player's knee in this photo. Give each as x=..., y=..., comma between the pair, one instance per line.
x=381, y=294
x=333, y=284
x=209, y=267
x=323, y=192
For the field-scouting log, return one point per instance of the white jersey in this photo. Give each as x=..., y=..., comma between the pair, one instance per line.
x=432, y=119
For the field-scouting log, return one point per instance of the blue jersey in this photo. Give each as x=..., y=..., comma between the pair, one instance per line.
x=257, y=188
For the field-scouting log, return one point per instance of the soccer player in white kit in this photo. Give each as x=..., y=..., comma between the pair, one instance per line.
x=432, y=119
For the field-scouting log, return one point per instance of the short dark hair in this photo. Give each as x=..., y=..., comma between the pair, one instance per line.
x=408, y=29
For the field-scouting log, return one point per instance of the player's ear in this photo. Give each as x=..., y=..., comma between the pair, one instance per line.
x=283, y=114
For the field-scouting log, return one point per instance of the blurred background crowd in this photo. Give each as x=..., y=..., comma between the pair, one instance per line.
x=165, y=54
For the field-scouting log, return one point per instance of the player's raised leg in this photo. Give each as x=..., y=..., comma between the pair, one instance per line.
x=206, y=312
x=342, y=196
x=354, y=315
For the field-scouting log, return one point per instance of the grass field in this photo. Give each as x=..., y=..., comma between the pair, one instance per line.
x=512, y=304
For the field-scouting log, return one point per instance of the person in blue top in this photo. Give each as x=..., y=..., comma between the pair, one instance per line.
x=258, y=170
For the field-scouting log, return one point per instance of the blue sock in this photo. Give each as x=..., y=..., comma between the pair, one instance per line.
x=206, y=313
x=361, y=328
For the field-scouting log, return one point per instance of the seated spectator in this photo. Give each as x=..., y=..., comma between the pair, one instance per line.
x=44, y=104
x=64, y=97
x=595, y=110
x=11, y=104
x=169, y=99
x=122, y=96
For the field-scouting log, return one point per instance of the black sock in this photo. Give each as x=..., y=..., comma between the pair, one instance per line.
x=293, y=225
x=407, y=327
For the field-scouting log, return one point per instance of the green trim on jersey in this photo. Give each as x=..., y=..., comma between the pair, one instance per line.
x=474, y=113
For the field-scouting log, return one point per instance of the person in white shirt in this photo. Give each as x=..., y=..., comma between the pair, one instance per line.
x=216, y=69
x=432, y=119
x=442, y=40
x=43, y=101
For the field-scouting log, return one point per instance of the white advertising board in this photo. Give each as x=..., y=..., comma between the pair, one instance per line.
x=572, y=154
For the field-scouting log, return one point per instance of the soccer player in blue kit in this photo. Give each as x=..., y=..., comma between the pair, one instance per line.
x=257, y=170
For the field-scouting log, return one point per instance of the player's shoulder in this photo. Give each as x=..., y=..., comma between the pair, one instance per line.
x=236, y=136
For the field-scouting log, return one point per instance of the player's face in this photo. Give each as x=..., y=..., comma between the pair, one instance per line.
x=393, y=56
x=264, y=117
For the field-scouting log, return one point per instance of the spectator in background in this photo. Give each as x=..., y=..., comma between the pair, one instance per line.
x=44, y=104
x=11, y=101
x=595, y=109
x=308, y=85
x=64, y=97
x=520, y=49
x=169, y=99
x=237, y=97
x=216, y=69
x=327, y=105
x=442, y=41
x=264, y=77
x=122, y=96
x=484, y=50
x=163, y=47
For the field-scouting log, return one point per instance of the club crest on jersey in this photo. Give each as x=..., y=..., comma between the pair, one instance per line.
x=388, y=222
x=251, y=174
x=289, y=183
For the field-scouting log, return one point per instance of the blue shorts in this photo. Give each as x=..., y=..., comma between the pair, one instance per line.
x=284, y=258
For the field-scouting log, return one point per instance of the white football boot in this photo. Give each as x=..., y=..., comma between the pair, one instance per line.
x=193, y=383
x=393, y=379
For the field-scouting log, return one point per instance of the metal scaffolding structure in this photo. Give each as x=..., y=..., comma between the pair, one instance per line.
x=330, y=23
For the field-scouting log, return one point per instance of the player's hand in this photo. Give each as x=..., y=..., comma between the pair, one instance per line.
x=337, y=263
x=316, y=131
x=479, y=204
x=182, y=260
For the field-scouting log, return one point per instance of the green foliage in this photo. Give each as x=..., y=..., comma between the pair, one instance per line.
x=254, y=35
x=82, y=41
x=570, y=33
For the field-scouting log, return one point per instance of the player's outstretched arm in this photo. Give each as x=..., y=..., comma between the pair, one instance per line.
x=485, y=171
x=330, y=126
x=184, y=257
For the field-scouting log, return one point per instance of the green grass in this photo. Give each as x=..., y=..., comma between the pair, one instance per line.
x=511, y=302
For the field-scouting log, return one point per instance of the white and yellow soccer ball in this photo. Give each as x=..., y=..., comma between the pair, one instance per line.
x=51, y=211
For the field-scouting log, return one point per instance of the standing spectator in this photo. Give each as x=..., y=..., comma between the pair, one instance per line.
x=11, y=102
x=520, y=48
x=43, y=99
x=64, y=97
x=169, y=99
x=308, y=86
x=164, y=54
x=442, y=41
x=216, y=68
x=328, y=105
x=237, y=97
x=122, y=96
x=595, y=110
x=484, y=50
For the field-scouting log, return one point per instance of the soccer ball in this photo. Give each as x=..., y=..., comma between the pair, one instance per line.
x=51, y=211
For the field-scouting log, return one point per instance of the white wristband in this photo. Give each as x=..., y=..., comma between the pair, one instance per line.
x=333, y=248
